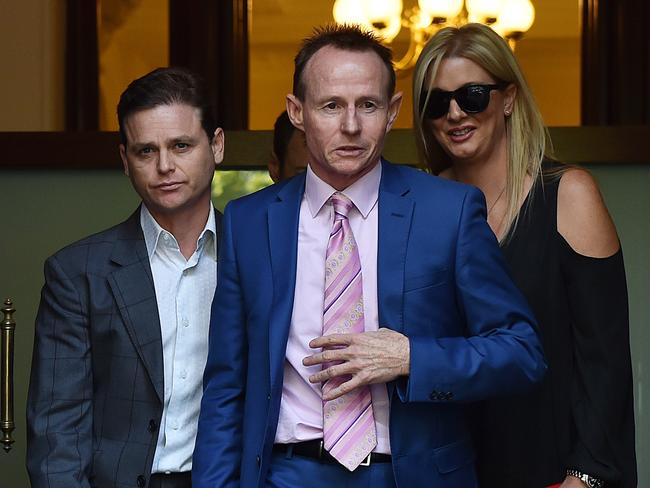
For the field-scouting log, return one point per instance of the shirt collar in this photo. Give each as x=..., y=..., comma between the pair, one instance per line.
x=152, y=232
x=364, y=192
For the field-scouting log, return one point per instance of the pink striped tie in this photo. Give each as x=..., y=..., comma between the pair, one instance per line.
x=348, y=422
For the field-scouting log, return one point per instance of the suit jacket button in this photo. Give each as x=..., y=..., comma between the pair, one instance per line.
x=449, y=395
x=141, y=481
x=259, y=460
x=434, y=395
x=152, y=426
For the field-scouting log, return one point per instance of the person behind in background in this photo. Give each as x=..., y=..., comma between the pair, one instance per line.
x=360, y=304
x=476, y=122
x=289, y=155
x=122, y=328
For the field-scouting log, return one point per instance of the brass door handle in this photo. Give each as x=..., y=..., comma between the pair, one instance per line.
x=7, y=365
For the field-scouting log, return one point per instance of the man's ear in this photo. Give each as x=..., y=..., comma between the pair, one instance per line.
x=294, y=111
x=393, y=109
x=125, y=163
x=218, y=145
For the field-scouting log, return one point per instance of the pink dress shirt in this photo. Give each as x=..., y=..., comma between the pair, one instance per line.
x=301, y=409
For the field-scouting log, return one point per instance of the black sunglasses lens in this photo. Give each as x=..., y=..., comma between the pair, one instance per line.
x=473, y=98
x=438, y=104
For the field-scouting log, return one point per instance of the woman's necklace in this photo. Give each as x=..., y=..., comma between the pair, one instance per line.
x=495, y=201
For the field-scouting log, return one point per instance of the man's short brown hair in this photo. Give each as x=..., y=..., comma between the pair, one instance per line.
x=347, y=37
x=166, y=86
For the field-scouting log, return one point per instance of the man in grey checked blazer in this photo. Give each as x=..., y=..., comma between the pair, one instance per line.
x=117, y=370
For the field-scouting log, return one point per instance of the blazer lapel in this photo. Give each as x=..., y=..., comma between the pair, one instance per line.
x=218, y=217
x=283, y=216
x=133, y=288
x=395, y=215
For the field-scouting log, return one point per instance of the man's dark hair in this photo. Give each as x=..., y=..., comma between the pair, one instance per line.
x=282, y=132
x=166, y=86
x=347, y=37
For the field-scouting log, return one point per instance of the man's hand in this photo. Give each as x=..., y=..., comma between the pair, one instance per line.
x=369, y=357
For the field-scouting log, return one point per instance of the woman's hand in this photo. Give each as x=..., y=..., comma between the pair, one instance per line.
x=572, y=482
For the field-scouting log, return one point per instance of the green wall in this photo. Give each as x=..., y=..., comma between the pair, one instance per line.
x=41, y=211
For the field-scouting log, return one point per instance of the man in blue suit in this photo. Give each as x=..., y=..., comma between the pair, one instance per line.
x=359, y=305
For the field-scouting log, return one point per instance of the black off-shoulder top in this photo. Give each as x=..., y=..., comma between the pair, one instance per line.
x=581, y=416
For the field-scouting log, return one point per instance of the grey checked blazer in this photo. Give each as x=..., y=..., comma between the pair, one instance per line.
x=96, y=390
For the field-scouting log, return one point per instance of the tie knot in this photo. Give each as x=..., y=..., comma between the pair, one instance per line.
x=342, y=205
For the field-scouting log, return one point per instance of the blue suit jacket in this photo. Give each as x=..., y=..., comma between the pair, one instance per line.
x=442, y=282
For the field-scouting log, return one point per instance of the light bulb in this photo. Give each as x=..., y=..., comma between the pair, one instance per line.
x=381, y=10
x=515, y=16
x=390, y=31
x=483, y=10
x=349, y=12
x=384, y=17
x=447, y=9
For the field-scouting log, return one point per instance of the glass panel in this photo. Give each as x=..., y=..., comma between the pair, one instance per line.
x=133, y=39
x=549, y=54
x=277, y=27
x=32, y=36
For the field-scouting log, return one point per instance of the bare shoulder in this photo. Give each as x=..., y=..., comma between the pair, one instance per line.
x=582, y=217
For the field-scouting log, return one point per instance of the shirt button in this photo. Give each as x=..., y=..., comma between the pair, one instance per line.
x=186, y=323
x=183, y=374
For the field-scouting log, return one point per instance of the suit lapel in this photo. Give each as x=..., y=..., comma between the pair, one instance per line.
x=218, y=217
x=133, y=289
x=395, y=216
x=283, y=216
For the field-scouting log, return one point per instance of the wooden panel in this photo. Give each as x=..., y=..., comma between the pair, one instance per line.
x=81, y=66
x=207, y=36
x=615, y=62
x=251, y=149
x=211, y=38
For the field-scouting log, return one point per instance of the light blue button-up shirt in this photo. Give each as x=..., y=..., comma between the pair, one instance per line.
x=184, y=291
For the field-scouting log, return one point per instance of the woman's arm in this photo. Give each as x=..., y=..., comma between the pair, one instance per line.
x=601, y=399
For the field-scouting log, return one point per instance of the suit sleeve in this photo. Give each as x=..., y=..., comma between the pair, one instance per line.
x=59, y=403
x=217, y=455
x=500, y=351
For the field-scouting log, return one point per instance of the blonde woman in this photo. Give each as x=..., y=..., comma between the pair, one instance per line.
x=476, y=122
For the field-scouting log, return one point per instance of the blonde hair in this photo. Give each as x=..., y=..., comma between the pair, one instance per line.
x=528, y=139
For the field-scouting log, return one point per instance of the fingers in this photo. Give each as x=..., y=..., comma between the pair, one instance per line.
x=327, y=356
x=332, y=340
x=332, y=372
x=342, y=389
x=334, y=349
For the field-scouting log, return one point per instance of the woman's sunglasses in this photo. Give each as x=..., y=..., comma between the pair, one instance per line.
x=471, y=99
